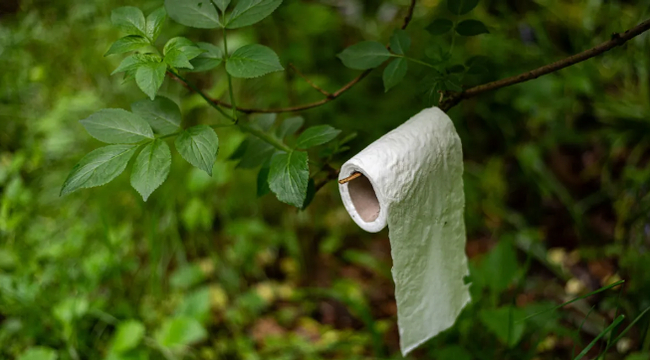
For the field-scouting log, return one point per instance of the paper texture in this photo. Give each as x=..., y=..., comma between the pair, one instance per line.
x=413, y=183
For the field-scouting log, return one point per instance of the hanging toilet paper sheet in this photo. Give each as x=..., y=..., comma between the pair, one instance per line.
x=411, y=180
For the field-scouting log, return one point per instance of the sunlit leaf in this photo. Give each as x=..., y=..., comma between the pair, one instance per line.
x=129, y=19
x=179, y=332
x=133, y=62
x=126, y=44
x=127, y=336
x=155, y=22
x=38, y=353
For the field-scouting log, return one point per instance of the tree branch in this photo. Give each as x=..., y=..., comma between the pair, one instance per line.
x=296, y=108
x=455, y=98
x=616, y=40
x=311, y=83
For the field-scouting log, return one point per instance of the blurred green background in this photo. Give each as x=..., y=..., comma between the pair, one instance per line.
x=557, y=186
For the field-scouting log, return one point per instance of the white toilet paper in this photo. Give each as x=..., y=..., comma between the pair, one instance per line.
x=412, y=181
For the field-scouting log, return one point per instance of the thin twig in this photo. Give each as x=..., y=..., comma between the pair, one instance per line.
x=302, y=107
x=350, y=178
x=616, y=40
x=311, y=83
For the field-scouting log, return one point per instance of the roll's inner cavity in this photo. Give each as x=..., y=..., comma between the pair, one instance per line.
x=364, y=198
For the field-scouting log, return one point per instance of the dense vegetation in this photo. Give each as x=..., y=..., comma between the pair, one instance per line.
x=556, y=181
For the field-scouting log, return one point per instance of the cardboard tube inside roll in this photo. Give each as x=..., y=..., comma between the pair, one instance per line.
x=411, y=180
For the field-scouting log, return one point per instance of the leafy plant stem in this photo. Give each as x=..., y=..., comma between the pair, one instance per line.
x=417, y=61
x=230, y=90
x=202, y=94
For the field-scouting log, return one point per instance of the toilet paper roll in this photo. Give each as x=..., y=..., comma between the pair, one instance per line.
x=411, y=180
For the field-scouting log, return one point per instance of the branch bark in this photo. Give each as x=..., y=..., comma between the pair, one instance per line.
x=616, y=40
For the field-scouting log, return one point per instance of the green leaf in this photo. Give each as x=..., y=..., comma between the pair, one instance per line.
x=38, y=353
x=400, y=42
x=130, y=20
x=289, y=177
x=222, y=4
x=126, y=44
x=179, y=51
x=263, y=180
x=150, y=78
x=194, y=13
x=438, y=54
x=251, y=61
x=199, y=145
x=364, y=55
x=500, y=266
x=155, y=22
x=316, y=135
x=186, y=277
x=177, y=59
x=127, y=336
x=161, y=113
x=248, y=12
x=196, y=304
x=394, y=73
x=132, y=62
x=98, y=167
x=256, y=153
x=505, y=323
x=209, y=59
x=460, y=7
x=471, y=28
x=289, y=126
x=311, y=193
x=611, y=327
x=151, y=168
x=179, y=332
x=117, y=126
x=440, y=27
x=185, y=45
